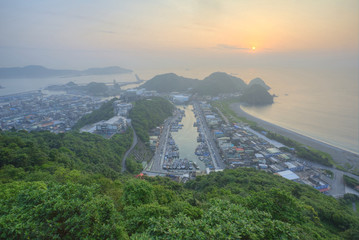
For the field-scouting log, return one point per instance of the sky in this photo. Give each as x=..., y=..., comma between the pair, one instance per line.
x=143, y=34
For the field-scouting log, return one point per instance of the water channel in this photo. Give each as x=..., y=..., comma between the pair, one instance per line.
x=186, y=138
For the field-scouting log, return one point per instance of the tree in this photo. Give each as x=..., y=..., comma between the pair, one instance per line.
x=55, y=211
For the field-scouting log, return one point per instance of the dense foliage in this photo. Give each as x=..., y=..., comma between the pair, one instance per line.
x=82, y=151
x=149, y=113
x=133, y=166
x=260, y=82
x=234, y=204
x=54, y=211
x=96, y=89
x=351, y=182
x=256, y=95
x=105, y=112
x=218, y=83
x=214, y=84
x=169, y=82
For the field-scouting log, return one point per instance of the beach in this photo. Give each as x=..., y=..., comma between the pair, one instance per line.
x=340, y=156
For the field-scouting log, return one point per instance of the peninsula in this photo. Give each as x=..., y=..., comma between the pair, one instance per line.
x=217, y=83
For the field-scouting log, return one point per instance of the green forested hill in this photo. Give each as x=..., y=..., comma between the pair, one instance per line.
x=73, y=150
x=170, y=82
x=59, y=203
x=149, y=113
x=259, y=81
x=256, y=95
x=219, y=83
x=105, y=112
x=214, y=84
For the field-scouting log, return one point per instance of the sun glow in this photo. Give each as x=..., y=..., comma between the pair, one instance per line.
x=253, y=48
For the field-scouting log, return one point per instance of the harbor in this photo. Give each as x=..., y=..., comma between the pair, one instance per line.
x=183, y=147
x=186, y=137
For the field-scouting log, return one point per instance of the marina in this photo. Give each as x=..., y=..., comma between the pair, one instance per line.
x=183, y=145
x=185, y=136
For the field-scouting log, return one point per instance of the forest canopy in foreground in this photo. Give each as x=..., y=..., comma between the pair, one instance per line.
x=58, y=201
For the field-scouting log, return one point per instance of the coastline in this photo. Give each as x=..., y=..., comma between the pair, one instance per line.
x=340, y=156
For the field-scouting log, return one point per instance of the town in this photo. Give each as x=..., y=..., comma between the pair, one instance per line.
x=224, y=145
x=35, y=110
x=220, y=143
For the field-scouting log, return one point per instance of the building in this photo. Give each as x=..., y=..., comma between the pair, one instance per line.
x=180, y=99
x=288, y=174
x=121, y=109
x=114, y=125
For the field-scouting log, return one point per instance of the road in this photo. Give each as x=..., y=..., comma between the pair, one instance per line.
x=134, y=143
x=223, y=117
x=216, y=157
x=337, y=185
x=158, y=158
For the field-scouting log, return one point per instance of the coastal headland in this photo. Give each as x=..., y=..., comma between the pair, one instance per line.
x=340, y=156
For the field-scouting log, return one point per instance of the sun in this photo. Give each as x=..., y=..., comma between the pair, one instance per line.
x=253, y=48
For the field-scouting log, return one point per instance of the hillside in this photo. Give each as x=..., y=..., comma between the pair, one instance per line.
x=234, y=204
x=45, y=151
x=149, y=113
x=105, y=112
x=256, y=95
x=214, y=84
x=34, y=71
x=169, y=82
x=219, y=82
x=259, y=81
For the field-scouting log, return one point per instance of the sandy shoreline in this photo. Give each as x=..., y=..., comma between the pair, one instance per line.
x=340, y=156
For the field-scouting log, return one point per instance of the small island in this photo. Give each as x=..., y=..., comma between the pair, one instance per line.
x=91, y=89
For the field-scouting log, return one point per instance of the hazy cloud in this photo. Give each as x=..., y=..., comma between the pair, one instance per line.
x=106, y=31
x=229, y=47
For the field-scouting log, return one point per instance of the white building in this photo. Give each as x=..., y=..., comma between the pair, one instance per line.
x=121, y=109
x=180, y=98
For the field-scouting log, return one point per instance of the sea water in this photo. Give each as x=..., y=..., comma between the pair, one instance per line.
x=321, y=105
x=12, y=86
x=186, y=138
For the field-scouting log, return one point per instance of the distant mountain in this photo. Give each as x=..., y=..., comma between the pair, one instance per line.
x=35, y=71
x=214, y=84
x=217, y=83
x=220, y=82
x=259, y=81
x=256, y=95
x=170, y=82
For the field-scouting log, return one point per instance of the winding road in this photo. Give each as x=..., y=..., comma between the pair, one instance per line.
x=134, y=143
